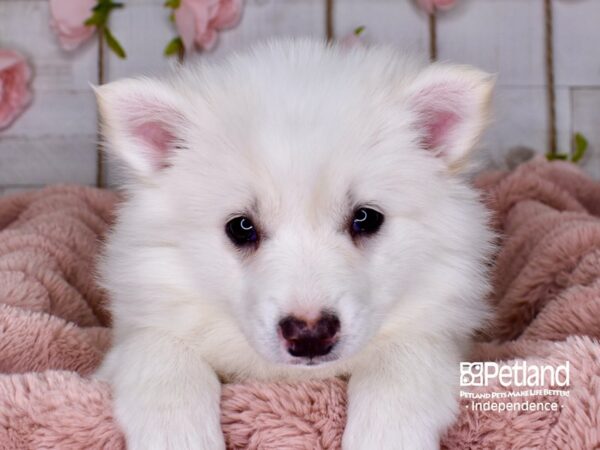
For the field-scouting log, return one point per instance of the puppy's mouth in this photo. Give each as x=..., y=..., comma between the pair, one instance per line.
x=312, y=361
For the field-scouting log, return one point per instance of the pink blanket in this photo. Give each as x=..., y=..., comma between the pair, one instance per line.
x=54, y=326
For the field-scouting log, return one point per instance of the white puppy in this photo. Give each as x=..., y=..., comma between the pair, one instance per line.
x=296, y=211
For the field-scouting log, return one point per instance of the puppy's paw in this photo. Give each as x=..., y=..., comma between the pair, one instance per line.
x=158, y=431
x=165, y=396
x=155, y=428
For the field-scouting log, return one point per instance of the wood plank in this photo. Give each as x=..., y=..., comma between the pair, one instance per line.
x=55, y=113
x=502, y=36
x=519, y=119
x=564, y=119
x=266, y=19
x=144, y=30
x=51, y=159
x=398, y=23
x=499, y=36
x=577, y=35
x=24, y=26
x=54, y=140
x=586, y=111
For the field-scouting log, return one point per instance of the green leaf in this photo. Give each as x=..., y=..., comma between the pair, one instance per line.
x=99, y=19
x=173, y=4
x=99, y=16
x=94, y=20
x=580, y=147
x=109, y=4
x=113, y=44
x=359, y=30
x=102, y=8
x=174, y=47
x=554, y=156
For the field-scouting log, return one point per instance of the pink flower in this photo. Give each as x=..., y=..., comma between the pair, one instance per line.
x=15, y=74
x=68, y=17
x=431, y=5
x=198, y=21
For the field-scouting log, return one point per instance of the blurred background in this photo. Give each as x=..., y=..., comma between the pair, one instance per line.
x=546, y=54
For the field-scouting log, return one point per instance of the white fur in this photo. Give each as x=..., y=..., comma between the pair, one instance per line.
x=298, y=134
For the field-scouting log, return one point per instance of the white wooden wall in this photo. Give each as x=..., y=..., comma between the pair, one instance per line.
x=55, y=140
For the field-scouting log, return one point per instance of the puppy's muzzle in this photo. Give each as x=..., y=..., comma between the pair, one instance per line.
x=309, y=339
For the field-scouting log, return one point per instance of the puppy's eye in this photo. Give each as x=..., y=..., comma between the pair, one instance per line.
x=365, y=221
x=241, y=231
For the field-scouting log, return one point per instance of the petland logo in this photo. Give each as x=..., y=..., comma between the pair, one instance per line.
x=519, y=374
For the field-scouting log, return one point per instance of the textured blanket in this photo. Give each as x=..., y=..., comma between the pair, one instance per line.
x=54, y=327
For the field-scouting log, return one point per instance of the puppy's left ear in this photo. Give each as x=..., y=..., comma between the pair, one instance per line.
x=450, y=105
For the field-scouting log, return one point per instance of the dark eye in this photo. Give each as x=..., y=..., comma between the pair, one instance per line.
x=365, y=221
x=241, y=231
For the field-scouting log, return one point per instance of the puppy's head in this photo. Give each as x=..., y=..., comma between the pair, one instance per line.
x=312, y=194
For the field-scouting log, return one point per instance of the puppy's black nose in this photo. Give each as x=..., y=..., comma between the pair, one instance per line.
x=310, y=339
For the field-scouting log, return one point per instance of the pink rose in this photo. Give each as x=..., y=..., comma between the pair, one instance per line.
x=68, y=17
x=198, y=21
x=15, y=74
x=431, y=5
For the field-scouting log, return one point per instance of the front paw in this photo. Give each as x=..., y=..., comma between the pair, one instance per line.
x=171, y=430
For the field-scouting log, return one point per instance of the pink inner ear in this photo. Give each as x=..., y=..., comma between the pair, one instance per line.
x=158, y=140
x=440, y=112
x=438, y=125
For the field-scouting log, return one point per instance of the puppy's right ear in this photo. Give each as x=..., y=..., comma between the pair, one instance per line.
x=142, y=121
